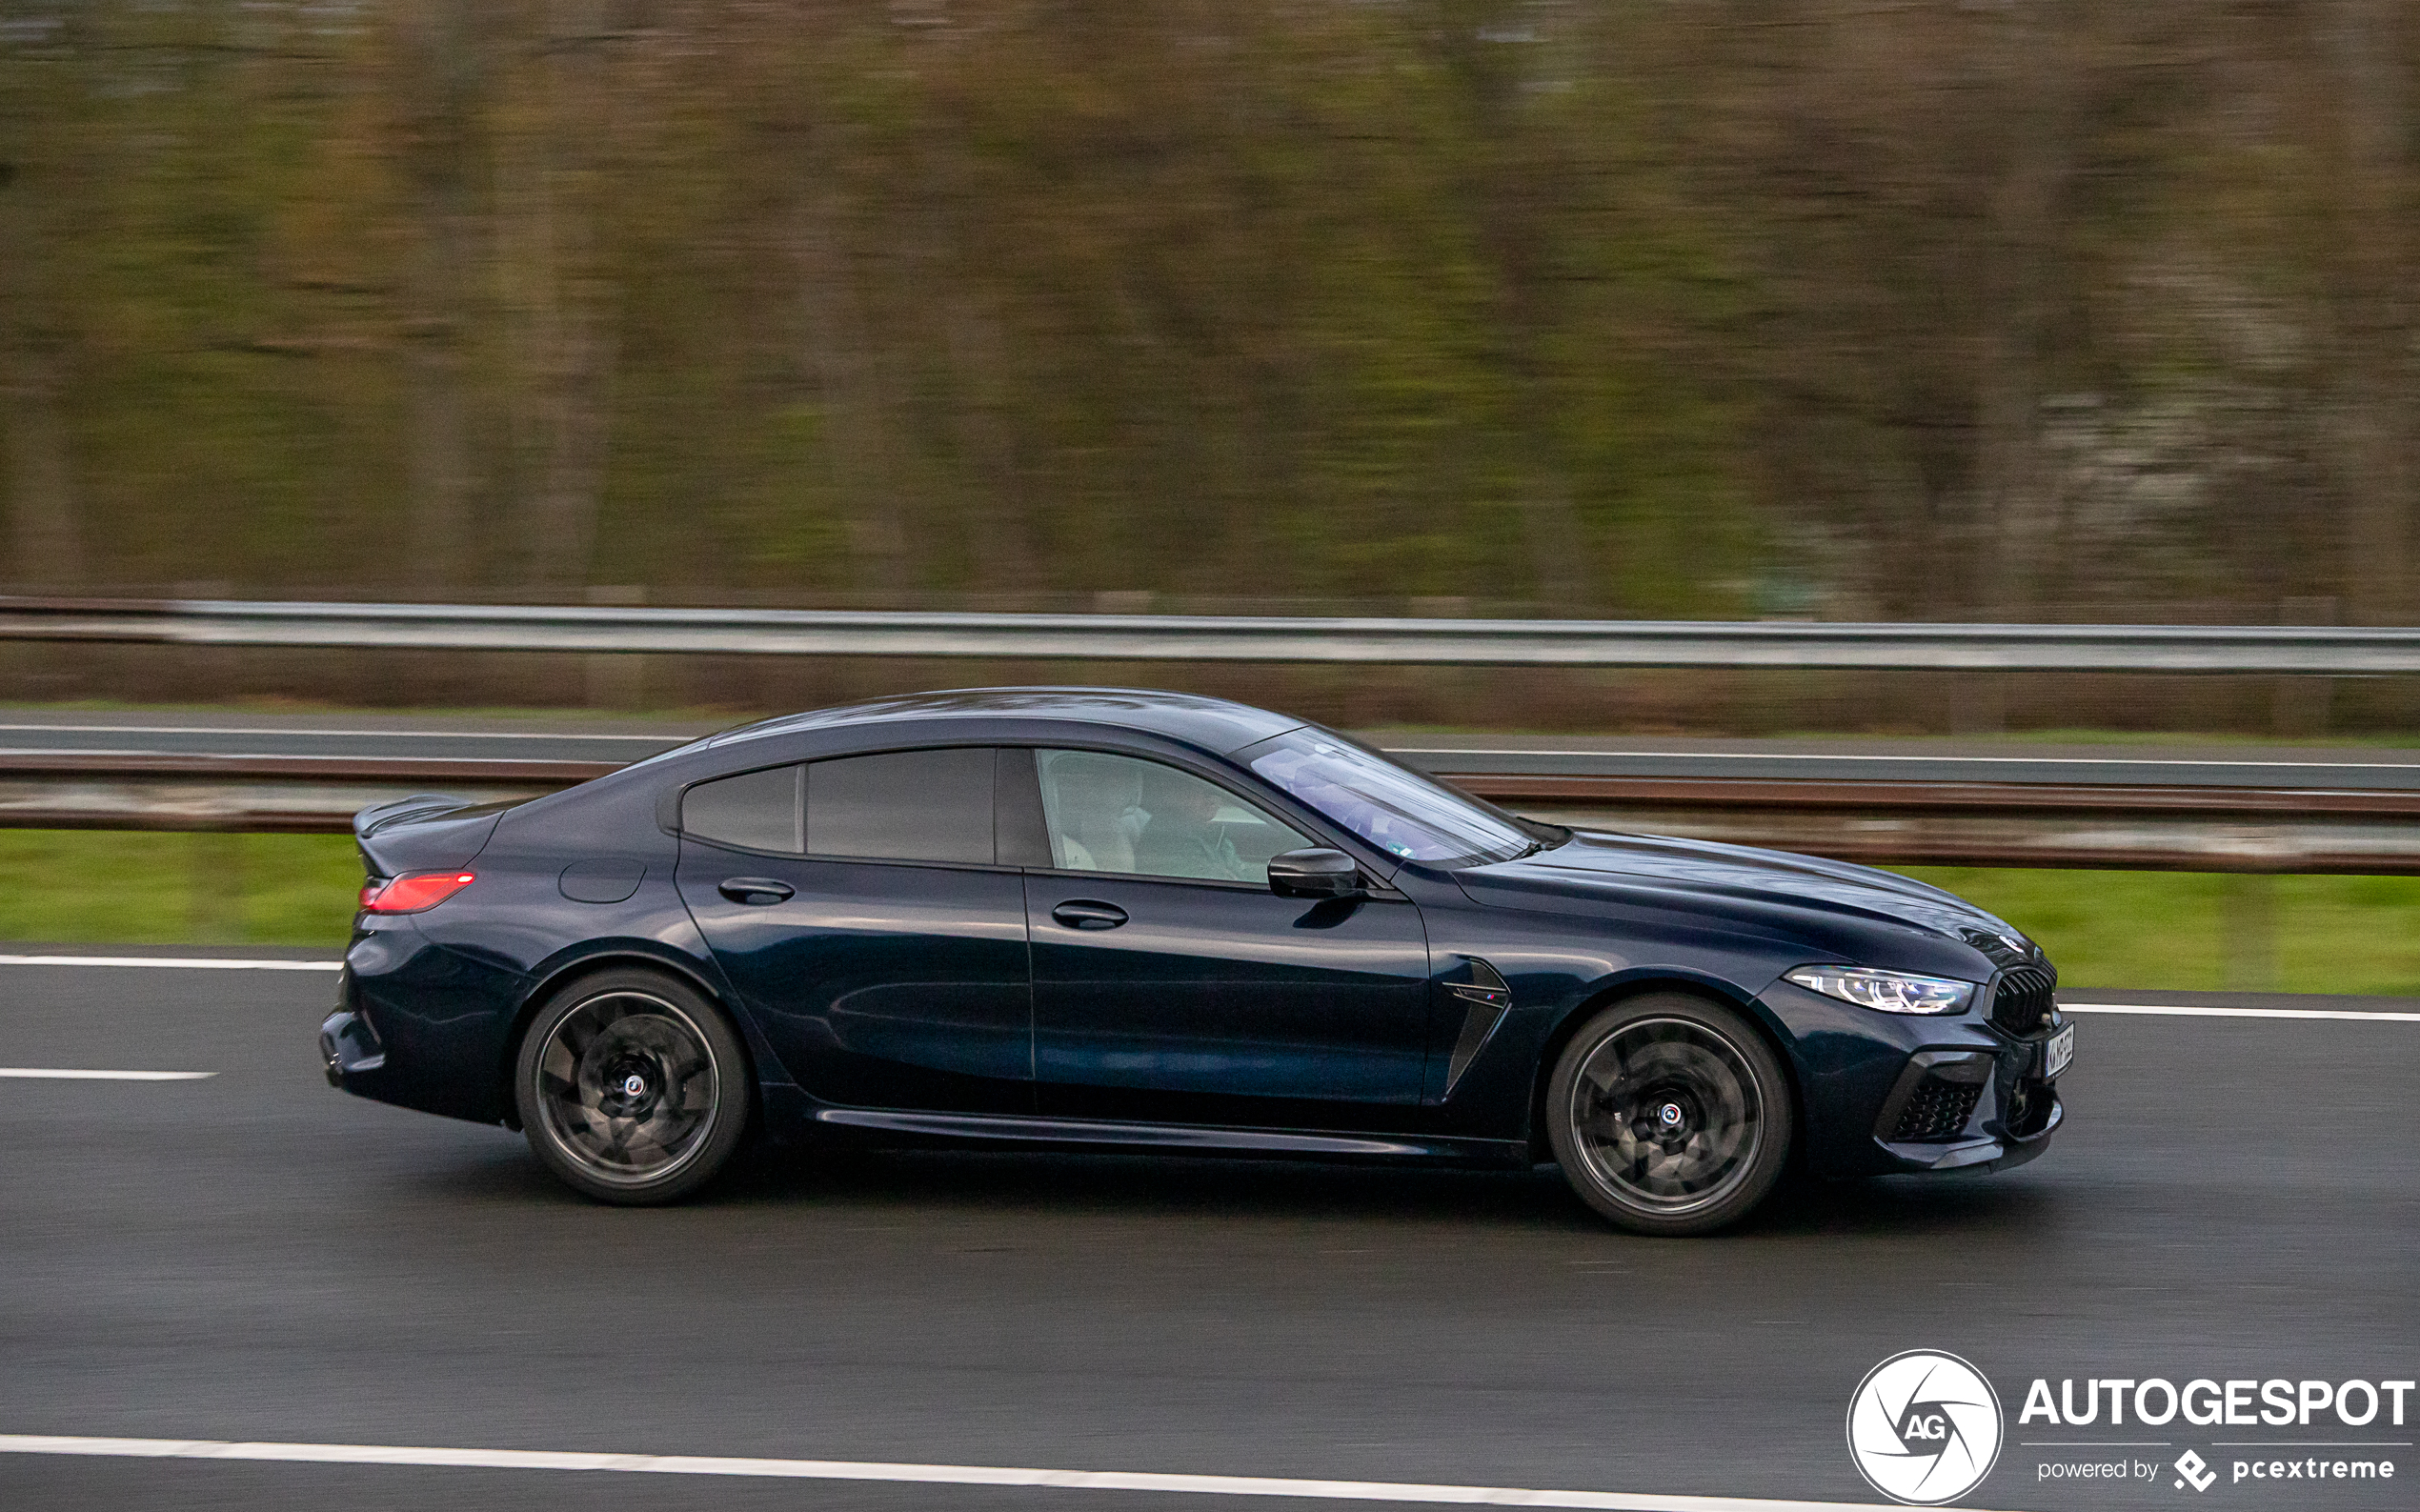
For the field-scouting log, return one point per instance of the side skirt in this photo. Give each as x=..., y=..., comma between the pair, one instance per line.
x=1176, y=1138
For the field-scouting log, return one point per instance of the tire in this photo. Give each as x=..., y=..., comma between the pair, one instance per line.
x=632, y=1087
x=1670, y=1115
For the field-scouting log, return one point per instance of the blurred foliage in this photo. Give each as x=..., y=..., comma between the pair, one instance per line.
x=1629, y=307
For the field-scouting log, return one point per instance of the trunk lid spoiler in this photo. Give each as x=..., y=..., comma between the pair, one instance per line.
x=426, y=832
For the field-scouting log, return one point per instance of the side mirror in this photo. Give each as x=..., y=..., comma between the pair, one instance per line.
x=1314, y=873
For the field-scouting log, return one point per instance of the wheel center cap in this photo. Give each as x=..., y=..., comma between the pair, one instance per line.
x=634, y=1086
x=1669, y=1115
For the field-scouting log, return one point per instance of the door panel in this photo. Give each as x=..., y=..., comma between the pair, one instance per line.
x=888, y=987
x=1223, y=1004
x=899, y=982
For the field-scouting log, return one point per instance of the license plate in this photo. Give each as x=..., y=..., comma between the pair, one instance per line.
x=2058, y=1052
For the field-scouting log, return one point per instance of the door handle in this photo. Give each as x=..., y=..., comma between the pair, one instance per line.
x=755, y=890
x=1084, y=913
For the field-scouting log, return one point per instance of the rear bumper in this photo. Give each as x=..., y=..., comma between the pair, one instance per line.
x=417, y=1026
x=349, y=1048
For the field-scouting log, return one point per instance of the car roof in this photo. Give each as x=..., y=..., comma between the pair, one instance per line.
x=1216, y=724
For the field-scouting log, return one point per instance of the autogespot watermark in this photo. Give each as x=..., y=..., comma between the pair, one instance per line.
x=1926, y=1428
x=2326, y=1411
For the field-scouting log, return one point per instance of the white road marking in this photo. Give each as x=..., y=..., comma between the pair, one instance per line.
x=912, y=1474
x=174, y=962
x=2197, y=1010
x=50, y=1074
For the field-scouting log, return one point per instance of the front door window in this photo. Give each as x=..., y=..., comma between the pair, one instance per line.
x=1172, y=985
x=1141, y=818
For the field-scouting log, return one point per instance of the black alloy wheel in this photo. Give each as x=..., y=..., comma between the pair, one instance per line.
x=1670, y=1115
x=632, y=1087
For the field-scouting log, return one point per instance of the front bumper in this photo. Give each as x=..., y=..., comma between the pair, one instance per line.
x=1887, y=1093
x=1971, y=1108
x=1979, y=1151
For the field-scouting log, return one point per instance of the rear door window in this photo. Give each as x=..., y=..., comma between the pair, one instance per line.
x=899, y=806
x=902, y=806
x=759, y=811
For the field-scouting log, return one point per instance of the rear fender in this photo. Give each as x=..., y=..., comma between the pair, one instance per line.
x=591, y=956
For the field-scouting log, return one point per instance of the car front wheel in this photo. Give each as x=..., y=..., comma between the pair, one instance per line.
x=1670, y=1115
x=632, y=1087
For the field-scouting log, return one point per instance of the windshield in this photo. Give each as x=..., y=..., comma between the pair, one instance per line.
x=1395, y=809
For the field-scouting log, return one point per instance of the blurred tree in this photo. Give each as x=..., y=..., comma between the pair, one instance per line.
x=2371, y=284
x=440, y=81
x=567, y=110
x=39, y=163
x=2029, y=308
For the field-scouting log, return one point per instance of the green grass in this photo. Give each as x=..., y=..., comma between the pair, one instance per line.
x=2173, y=930
x=147, y=888
x=2188, y=930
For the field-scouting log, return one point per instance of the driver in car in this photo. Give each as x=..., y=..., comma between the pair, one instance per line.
x=1185, y=837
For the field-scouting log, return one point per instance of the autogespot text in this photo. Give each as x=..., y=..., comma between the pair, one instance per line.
x=2275, y=1403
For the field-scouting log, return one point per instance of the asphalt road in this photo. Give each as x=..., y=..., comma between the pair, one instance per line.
x=468, y=737
x=256, y=1256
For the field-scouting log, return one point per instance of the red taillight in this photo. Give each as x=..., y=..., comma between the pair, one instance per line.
x=410, y=895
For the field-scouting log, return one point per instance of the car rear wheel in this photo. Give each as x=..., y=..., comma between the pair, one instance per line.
x=632, y=1087
x=1670, y=1115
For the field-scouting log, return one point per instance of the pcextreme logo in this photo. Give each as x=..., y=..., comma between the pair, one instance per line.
x=1925, y=1427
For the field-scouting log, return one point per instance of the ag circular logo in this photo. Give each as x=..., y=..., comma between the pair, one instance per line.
x=1925, y=1427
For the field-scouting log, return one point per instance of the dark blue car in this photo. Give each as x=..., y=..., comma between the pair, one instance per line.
x=1146, y=920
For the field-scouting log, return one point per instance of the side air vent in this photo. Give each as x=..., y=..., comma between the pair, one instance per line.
x=1486, y=998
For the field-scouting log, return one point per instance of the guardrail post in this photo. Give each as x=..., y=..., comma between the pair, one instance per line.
x=215, y=871
x=617, y=680
x=2301, y=703
x=2248, y=926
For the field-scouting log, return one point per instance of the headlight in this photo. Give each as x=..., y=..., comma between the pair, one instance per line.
x=1892, y=992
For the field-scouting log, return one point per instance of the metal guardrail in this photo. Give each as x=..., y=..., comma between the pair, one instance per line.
x=267, y=794
x=2114, y=827
x=2162, y=828
x=2241, y=649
